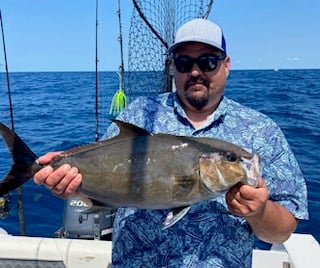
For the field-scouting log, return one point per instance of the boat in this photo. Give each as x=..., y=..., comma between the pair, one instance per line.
x=22, y=251
x=84, y=240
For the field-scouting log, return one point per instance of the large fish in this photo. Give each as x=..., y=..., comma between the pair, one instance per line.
x=143, y=170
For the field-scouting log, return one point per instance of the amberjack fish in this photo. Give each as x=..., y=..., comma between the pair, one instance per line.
x=143, y=170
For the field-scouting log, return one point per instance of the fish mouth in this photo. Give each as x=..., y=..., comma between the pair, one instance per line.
x=252, y=169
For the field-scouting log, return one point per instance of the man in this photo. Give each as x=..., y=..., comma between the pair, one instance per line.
x=215, y=233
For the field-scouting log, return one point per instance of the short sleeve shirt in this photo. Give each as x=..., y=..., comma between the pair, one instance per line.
x=208, y=235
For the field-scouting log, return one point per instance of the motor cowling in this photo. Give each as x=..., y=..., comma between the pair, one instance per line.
x=78, y=224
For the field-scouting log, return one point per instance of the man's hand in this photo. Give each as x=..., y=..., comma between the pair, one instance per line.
x=63, y=182
x=245, y=200
x=270, y=221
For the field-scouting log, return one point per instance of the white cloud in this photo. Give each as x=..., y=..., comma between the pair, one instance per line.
x=293, y=59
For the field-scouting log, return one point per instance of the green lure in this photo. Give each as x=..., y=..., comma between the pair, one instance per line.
x=119, y=99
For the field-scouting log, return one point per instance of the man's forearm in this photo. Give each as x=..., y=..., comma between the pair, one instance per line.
x=273, y=224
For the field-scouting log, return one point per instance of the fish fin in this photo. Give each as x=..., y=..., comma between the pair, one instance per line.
x=23, y=158
x=174, y=216
x=95, y=209
x=94, y=206
x=129, y=130
x=126, y=130
x=183, y=186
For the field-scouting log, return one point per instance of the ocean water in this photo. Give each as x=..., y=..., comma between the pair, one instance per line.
x=56, y=111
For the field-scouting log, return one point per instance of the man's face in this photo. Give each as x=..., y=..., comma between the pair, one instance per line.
x=198, y=87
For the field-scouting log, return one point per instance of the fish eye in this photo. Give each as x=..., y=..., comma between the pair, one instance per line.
x=231, y=157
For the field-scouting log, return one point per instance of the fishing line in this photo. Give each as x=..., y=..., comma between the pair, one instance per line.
x=19, y=189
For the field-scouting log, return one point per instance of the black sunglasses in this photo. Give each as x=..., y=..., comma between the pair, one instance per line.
x=206, y=63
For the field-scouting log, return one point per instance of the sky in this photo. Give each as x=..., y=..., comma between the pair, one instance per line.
x=59, y=35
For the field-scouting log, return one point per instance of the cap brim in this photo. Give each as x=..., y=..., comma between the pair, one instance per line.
x=173, y=47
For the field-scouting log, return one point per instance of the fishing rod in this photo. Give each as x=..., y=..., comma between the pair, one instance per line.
x=119, y=100
x=121, y=67
x=97, y=90
x=7, y=73
x=4, y=203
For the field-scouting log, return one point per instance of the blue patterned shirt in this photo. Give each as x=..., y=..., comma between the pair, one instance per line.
x=208, y=235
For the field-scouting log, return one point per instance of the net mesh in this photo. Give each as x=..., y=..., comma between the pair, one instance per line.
x=152, y=28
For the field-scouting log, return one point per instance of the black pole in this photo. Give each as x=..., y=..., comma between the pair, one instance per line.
x=97, y=91
x=19, y=189
x=7, y=74
x=121, y=68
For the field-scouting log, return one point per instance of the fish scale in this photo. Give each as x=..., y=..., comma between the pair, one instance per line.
x=143, y=170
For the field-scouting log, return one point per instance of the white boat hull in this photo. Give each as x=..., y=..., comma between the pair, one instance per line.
x=300, y=251
x=22, y=251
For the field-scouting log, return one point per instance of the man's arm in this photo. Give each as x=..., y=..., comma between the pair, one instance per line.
x=270, y=221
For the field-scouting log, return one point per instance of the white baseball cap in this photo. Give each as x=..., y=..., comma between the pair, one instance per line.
x=202, y=31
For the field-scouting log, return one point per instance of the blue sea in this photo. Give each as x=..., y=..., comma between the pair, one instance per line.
x=57, y=111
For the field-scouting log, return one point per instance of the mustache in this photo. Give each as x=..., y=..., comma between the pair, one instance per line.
x=197, y=80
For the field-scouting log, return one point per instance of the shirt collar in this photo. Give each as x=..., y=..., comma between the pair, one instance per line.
x=219, y=113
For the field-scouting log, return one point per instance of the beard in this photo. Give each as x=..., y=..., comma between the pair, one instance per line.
x=198, y=102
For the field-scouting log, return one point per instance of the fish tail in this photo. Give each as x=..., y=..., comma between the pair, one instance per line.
x=23, y=159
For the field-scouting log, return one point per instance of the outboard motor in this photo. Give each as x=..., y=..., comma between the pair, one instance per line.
x=78, y=224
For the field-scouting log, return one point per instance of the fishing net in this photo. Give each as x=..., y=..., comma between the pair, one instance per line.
x=152, y=29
